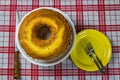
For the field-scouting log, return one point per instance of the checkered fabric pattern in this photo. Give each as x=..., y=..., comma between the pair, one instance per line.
x=103, y=15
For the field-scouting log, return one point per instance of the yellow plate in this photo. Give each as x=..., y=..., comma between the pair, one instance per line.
x=100, y=44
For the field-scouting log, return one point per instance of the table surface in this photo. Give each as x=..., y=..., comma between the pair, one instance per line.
x=103, y=15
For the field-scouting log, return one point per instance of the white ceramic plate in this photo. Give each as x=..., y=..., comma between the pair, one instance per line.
x=53, y=61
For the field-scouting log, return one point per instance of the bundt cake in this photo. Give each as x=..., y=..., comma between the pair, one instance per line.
x=44, y=34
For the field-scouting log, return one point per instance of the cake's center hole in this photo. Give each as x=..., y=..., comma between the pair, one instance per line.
x=43, y=32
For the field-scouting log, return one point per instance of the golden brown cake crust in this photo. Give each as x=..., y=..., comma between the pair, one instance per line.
x=49, y=48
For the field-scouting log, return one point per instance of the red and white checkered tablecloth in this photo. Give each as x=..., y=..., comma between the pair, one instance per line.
x=103, y=15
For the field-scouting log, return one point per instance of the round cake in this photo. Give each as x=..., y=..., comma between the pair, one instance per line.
x=44, y=34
